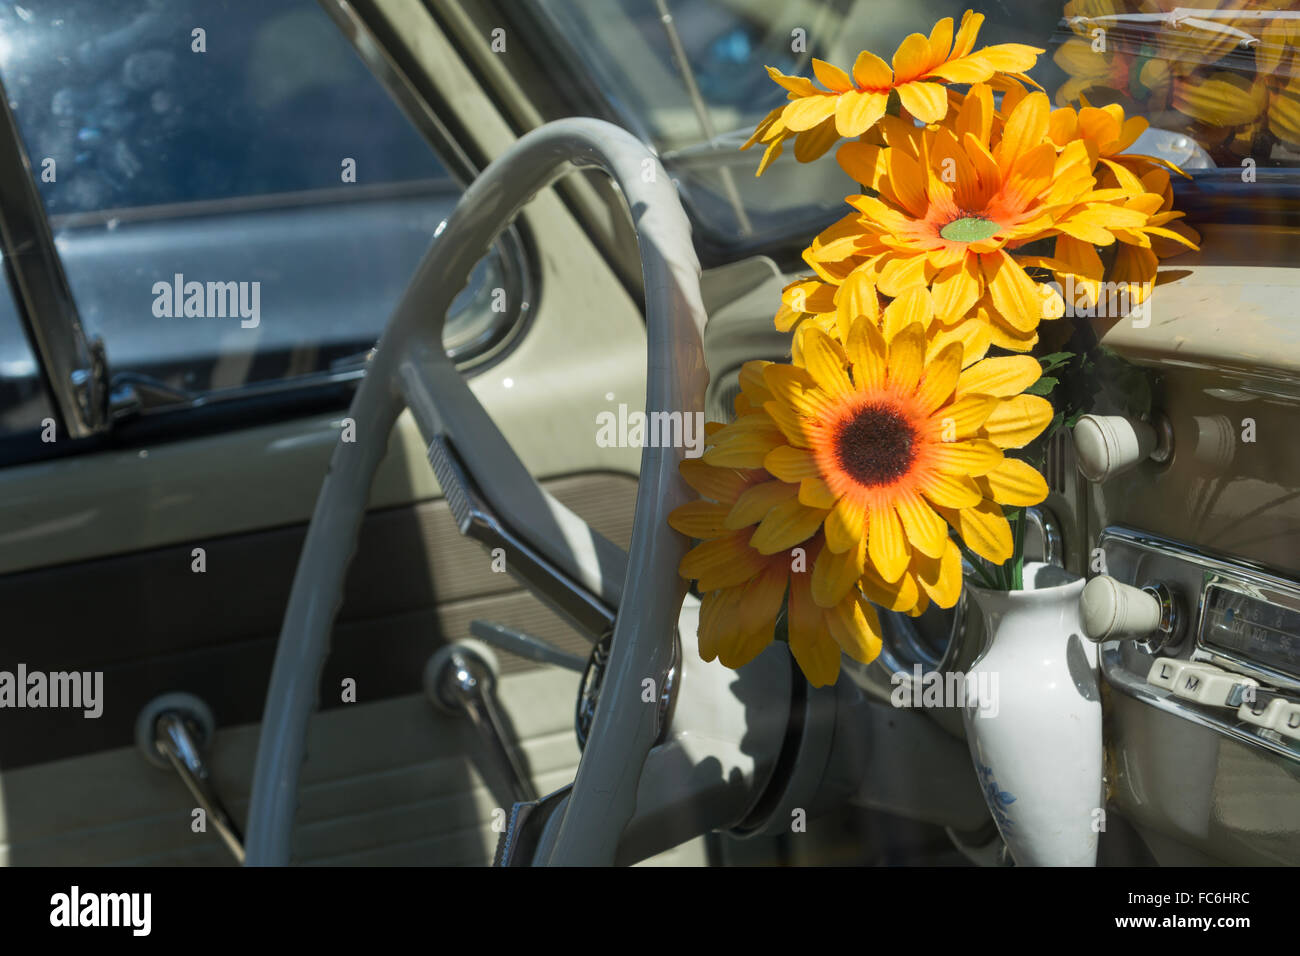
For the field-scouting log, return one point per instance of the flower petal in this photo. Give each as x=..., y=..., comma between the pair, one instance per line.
x=974, y=457
x=957, y=288
x=1017, y=298
x=962, y=419
x=835, y=575
x=752, y=506
x=791, y=464
x=855, y=627
x=928, y=102
x=1000, y=377
x=831, y=76
x=815, y=493
x=816, y=653
x=925, y=529
x=1017, y=421
x=940, y=378
x=856, y=112
x=1013, y=482
x=699, y=519
x=984, y=529
x=846, y=525
x=886, y=542
x=824, y=360
x=900, y=595
x=940, y=577
x=870, y=72
x=785, y=526
x=914, y=305
x=949, y=491
x=716, y=484
x=912, y=58
x=907, y=359
x=867, y=351
x=721, y=562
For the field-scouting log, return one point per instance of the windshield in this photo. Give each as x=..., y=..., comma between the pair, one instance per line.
x=1219, y=82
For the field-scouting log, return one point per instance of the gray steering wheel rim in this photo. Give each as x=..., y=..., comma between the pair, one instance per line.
x=411, y=370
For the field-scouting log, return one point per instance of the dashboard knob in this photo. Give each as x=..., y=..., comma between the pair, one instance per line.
x=1111, y=611
x=1108, y=445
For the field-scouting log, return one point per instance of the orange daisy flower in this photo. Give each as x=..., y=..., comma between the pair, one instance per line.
x=956, y=204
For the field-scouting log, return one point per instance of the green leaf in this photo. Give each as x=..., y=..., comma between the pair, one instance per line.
x=1055, y=360
x=1043, y=386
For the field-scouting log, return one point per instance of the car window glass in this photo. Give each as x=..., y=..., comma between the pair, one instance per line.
x=1220, y=83
x=235, y=197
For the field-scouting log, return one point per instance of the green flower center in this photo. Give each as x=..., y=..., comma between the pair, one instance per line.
x=969, y=229
x=875, y=446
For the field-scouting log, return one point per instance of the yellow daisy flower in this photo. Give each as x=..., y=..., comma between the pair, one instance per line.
x=743, y=589
x=888, y=448
x=1145, y=184
x=849, y=105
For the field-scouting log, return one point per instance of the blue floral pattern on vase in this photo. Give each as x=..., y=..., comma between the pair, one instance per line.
x=997, y=798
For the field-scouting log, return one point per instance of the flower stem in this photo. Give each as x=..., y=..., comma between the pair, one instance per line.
x=1018, y=555
x=978, y=564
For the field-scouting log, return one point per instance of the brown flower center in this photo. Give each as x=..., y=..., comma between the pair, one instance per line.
x=875, y=446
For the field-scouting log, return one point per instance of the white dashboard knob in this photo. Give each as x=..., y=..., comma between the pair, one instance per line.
x=1111, y=611
x=1108, y=445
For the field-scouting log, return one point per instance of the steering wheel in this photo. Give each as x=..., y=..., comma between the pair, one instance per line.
x=410, y=369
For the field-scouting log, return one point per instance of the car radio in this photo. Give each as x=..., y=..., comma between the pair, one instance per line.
x=1207, y=638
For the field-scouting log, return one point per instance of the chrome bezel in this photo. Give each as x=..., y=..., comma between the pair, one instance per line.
x=1128, y=673
x=1244, y=577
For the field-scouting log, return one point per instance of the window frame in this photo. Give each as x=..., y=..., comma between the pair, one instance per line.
x=73, y=367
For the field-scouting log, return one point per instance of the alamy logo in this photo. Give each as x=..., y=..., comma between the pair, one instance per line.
x=75, y=908
x=211, y=300
x=953, y=689
x=655, y=430
x=76, y=690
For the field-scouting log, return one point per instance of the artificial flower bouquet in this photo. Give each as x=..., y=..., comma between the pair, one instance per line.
x=865, y=472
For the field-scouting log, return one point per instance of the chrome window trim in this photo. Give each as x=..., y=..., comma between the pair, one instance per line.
x=72, y=364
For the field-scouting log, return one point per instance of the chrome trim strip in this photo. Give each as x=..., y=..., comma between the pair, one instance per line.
x=1122, y=679
x=73, y=364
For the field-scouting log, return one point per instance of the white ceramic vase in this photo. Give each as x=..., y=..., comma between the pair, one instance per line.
x=1033, y=720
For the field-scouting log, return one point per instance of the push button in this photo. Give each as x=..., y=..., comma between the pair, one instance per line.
x=1206, y=684
x=1287, y=719
x=1164, y=672
x=1262, y=711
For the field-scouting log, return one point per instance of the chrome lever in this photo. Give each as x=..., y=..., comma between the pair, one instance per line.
x=459, y=680
x=525, y=645
x=475, y=519
x=174, y=740
x=173, y=730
